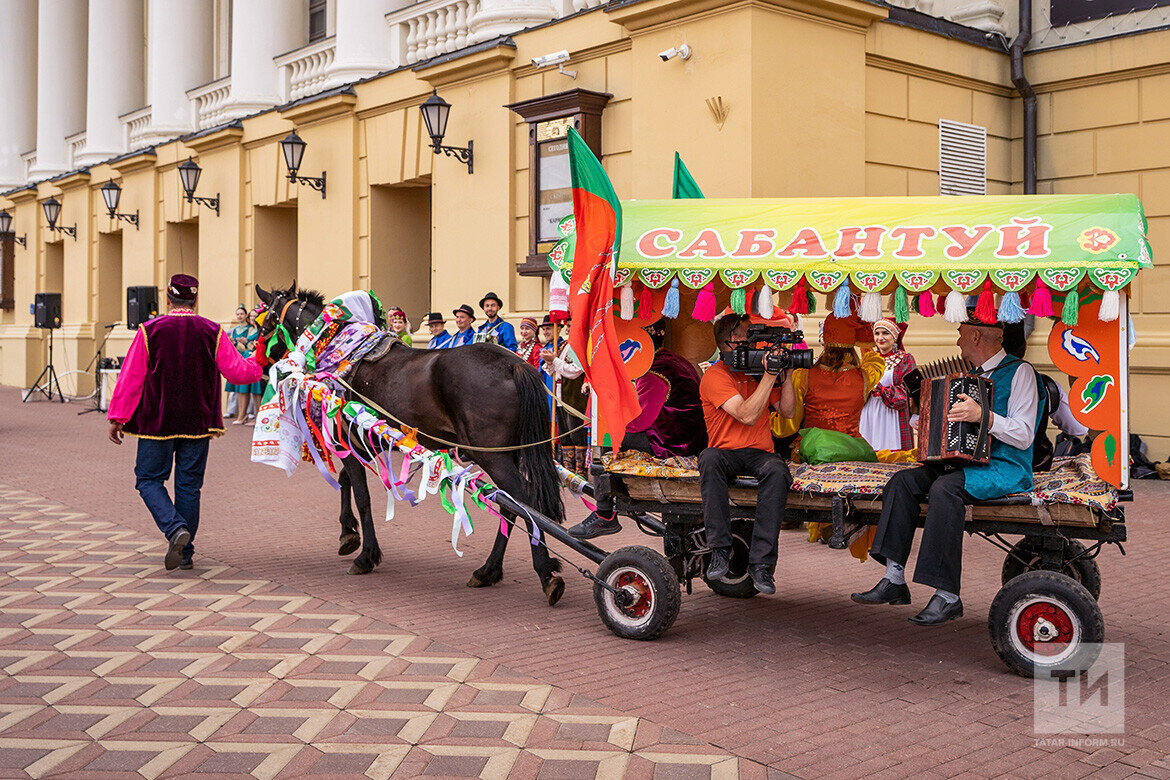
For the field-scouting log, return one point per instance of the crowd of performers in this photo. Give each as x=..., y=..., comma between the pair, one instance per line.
x=734, y=423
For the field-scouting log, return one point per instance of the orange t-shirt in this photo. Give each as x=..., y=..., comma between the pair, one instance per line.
x=724, y=431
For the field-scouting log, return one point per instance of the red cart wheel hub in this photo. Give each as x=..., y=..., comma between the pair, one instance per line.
x=1044, y=623
x=639, y=596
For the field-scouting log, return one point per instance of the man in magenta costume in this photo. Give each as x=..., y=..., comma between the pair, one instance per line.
x=671, y=423
x=168, y=396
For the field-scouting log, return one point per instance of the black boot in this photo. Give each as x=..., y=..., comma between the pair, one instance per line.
x=885, y=592
x=719, y=564
x=595, y=525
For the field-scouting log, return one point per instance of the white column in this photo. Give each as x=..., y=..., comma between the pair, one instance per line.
x=61, y=47
x=261, y=30
x=361, y=42
x=115, y=76
x=18, y=89
x=502, y=17
x=181, y=44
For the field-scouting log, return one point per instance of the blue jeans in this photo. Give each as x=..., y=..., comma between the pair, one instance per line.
x=153, y=469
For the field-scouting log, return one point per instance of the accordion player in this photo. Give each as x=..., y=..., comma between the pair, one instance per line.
x=940, y=440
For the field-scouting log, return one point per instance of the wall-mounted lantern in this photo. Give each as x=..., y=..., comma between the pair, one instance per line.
x=52, y=208
x=189, y=176
x=6, y=229
x=435, y=111
x=293, y=149
x=111, y=194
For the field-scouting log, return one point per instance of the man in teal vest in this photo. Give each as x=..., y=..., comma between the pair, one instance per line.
x=1015, y=415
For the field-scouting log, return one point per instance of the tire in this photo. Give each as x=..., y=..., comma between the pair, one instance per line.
x=1084, y=570
x=1045, y=621
x=737, y=584
x=652, y=586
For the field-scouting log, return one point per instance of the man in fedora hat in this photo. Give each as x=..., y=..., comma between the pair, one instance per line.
x=1015, y=414
x=168, y=396
x=464, y=333
x=438, y=328
x=505, y=334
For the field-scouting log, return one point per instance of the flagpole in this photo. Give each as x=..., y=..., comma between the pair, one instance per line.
x=556, y=390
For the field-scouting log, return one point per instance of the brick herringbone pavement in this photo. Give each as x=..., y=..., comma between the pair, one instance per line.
x=805, y=681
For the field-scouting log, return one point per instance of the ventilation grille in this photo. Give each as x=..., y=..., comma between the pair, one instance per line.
x=962, y=158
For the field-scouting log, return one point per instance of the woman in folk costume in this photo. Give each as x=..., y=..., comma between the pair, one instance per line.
x=399, y=325
x=885, y=420
x=831, y=394
x=529, y=346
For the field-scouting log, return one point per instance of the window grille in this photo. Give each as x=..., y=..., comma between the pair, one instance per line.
x=962, y=158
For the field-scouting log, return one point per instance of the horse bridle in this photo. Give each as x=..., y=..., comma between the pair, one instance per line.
x=280, y=323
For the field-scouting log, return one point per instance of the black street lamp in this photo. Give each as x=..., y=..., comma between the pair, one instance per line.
x=435, y=111
x=189, y=177
x=6, y=228
x=52, y=208
x=111, y=194
x=293, y=149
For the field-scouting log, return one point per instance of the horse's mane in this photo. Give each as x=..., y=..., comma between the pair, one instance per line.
x=311, y=296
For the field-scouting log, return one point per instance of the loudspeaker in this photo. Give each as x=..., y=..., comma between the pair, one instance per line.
x=141, y=305
x=47, y=310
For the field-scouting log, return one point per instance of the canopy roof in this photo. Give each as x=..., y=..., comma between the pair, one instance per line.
x=879, y=242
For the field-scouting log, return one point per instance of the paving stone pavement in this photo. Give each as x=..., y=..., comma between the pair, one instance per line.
x=804, y=682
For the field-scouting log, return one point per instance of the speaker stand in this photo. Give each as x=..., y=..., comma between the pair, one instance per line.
x=50, y=374
x=96, y=365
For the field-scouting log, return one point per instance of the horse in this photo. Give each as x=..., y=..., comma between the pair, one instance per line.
x=479, y=395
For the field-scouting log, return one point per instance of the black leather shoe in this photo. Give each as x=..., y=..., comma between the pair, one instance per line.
x=594, y=526
x=720, y=563
x=762, y=578
x=187, y=563
x=175, y=551
x=885, y=592
x=937, y=612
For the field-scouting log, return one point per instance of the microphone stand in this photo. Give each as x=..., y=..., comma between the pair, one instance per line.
x=96, y=362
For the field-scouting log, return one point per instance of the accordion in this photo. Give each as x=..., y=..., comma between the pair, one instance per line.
x=942, y=441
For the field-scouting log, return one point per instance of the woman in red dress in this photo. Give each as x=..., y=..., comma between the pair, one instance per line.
x=529, y=346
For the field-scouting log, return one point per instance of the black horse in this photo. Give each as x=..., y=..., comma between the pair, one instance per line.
x=479, y=395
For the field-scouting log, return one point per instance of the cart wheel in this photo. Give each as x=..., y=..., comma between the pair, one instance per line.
x=649, y=597
x=1044, y=621
x=738, y=583
x=1084, y=570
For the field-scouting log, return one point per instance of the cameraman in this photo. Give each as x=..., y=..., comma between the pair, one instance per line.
x=735, y=408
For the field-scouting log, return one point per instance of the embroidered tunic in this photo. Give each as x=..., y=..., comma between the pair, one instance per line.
x=504, y=332
x=169, y=384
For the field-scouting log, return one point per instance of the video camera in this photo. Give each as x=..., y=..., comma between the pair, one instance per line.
x=754, y=356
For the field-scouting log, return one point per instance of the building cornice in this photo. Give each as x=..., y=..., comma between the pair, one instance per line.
x=72, y=181
x=493, y=57
x=135, y=161
x=215, y=138
x=941, y=76
x=320, y=107
x=644, y=15
x=23, y=195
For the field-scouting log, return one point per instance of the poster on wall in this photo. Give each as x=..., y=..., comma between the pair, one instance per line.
x=1069, y=11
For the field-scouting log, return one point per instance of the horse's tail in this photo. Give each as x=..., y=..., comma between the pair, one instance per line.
x=536, y=463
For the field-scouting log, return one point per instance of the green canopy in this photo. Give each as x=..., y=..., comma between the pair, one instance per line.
x=877, y=243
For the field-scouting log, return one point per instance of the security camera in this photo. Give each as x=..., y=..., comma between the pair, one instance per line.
x=556, y=58
x=682, y=52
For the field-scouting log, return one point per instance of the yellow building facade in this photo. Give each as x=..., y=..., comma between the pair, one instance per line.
x=819, y=98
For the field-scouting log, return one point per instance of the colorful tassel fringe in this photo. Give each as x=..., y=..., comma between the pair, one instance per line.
x=645, y=303
x=1072, y=305
x=1110, y=306
x=670, y=306
x=926, y=304
x=955, y=310
x=901, y=305
x=739, y=301
x=800, y=298
x=841, y=301
x=627, y=301
x=985, y=307
x=704, y=310
x=871, y=307
x=1041, y=304
x=1010, y=309
x=764, y=302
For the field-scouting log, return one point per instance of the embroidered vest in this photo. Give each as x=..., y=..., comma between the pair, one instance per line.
x=1010, y=469
x=180, y=395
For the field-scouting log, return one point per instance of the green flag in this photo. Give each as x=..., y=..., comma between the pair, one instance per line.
x=684, y=183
